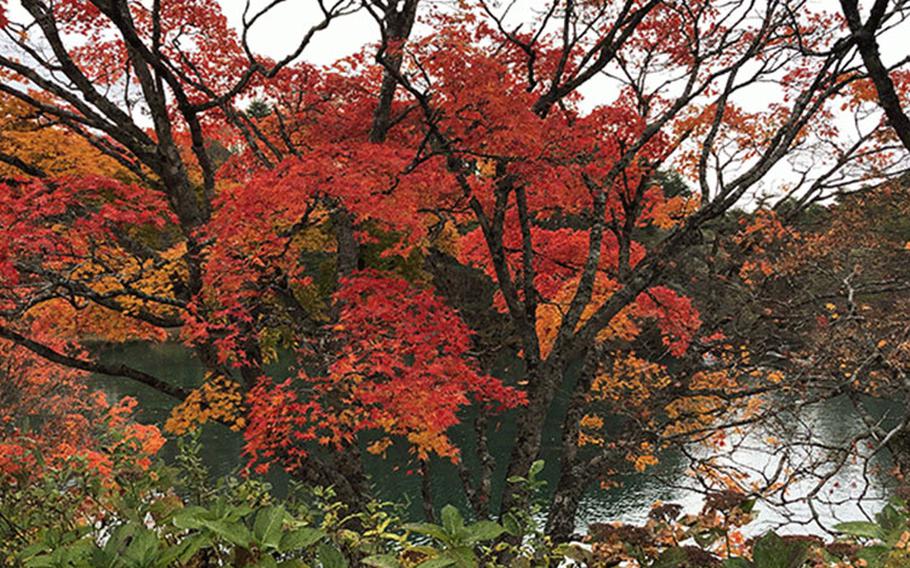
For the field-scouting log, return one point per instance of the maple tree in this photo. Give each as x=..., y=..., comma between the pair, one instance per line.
x=316, y=222
x=826, y=316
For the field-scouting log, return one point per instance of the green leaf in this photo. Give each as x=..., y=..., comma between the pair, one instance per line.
x=484, y=530
x=464, y=556
x=301, y=538
x=512, y=525
x=266, y=562
x=189, y=518
x=874, y=555
x=184, y=552
x=143, y=548
x=452, y=521
x=165, y=507
x=748, y=505
x=267, y=526
x=671, y=558
x=121, y=535
x=234, y=532
x=535, y=469
x=438, y=562
x=428, y=529
x=861, y=529
x=381, y=561
x=737, y=563
x=771, y=551
x=706, y=538
x=889, y=518
x=330, y=557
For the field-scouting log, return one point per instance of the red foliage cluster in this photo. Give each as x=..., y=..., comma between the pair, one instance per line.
x=404, y=369
x=48, y=413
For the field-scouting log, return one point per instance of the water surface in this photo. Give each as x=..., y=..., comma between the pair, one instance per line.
x=854, y=491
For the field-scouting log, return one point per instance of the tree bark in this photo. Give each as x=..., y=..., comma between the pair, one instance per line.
x=867, y=44
x=398, y=25
x=573, y=480
x=530, y=427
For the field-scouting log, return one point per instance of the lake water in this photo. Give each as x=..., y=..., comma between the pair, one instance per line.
x=851, y=494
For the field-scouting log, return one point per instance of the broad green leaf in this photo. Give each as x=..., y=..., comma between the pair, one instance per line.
x=889, y=518
x=143, y=548
x=267, y=526
x=266, y=562
x=182, y=553
x=671, y=558
x=438, y=562
x=330, y=557
x=706, y=538
x=771, y=551
x=189, y=518
x=428, y=529
x=484, y=530
x=381, y=561
x=873, y=555
x=165, y=507
x=748, y=505
x=452, y=521
x=860, y=528
x=463, y=556
x=234, y=532
x=301, y=538
x=512, y=525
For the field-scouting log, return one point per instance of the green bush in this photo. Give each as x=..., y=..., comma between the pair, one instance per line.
x=177, y=517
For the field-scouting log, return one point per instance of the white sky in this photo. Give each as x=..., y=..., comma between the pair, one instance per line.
x=278, y=33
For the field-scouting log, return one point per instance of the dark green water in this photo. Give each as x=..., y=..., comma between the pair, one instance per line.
x=830, y=422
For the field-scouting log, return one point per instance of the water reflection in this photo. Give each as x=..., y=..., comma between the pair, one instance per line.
x=851, y=492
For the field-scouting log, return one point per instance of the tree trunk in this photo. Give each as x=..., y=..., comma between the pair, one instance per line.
x=398, y=28
x=564, y=504
x=426, y=492
x=530, y=428
x=573, y=480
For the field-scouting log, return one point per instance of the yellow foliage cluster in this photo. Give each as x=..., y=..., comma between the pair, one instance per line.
x=644, y=457
x=590, y=427
x=379, y=447
x=122, y=278
x=692, y=414
x=218, y=399
x=631, y=380
x=486, y=168
x=68, y=321
x=673, y=211
x=550, y=314
x=428, y=442
x=55, y=150
x=446, y=239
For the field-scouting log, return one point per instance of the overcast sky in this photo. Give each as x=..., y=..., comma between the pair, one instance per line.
x=278, y=33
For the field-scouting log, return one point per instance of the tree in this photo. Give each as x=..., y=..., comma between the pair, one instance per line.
x=864, y=35
x=827, y=292
x=323, y=233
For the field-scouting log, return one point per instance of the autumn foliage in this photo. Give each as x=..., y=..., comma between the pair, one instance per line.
x=308, y=232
